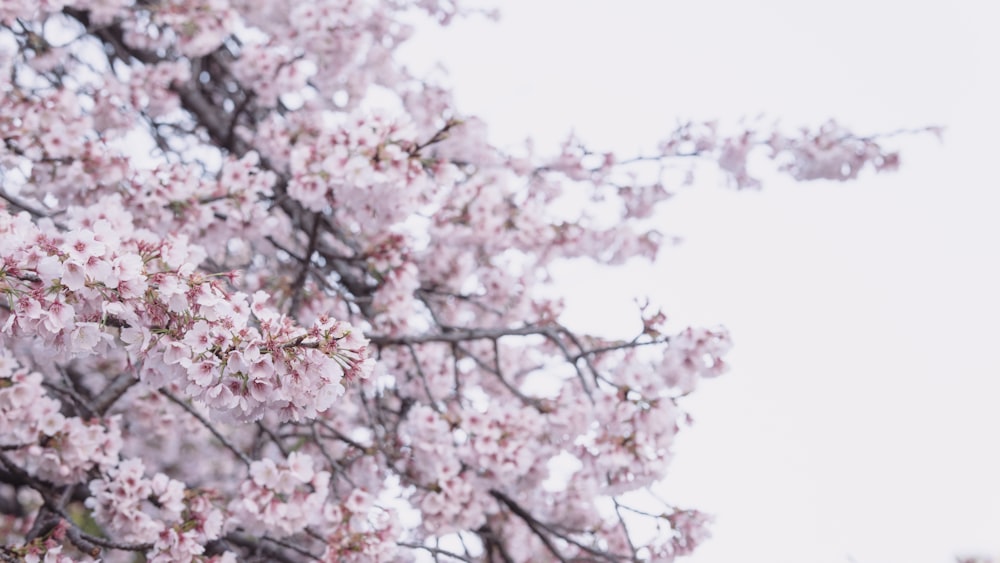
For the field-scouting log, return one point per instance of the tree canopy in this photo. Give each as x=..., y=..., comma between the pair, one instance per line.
x=253, y=311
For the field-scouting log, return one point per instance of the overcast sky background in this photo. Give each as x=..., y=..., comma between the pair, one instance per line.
x=860, y=420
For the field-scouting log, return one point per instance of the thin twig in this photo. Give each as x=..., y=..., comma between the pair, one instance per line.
x=207, y=424
x=434, y=550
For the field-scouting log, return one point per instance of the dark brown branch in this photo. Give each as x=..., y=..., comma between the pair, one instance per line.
x=112, y=392
x=496, y=371
x=207, y=424
x=263, y=430
x=109, y=544
x=433, y=402
x=76, y=394
x=621, y=522
x=23, y=205
x=537, y=527
x=543, y=530
x=463, y=335
x=618, y=346
x=435, y=551
x=440, y=135
x=298, y=286
x=493, y=544
x=258, y=544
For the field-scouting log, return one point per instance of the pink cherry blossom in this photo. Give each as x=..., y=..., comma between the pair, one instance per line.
x=246, y=314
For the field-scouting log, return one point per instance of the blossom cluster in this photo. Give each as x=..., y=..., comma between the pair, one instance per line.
x=448, y=502
x=40, y=439
x=362, y=168
x=82, y=291
x=177, y=522
x=281, y=500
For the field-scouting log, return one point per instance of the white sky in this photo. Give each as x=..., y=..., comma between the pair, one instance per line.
x=859, y=423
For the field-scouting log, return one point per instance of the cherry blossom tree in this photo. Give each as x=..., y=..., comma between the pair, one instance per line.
x=270, y=296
